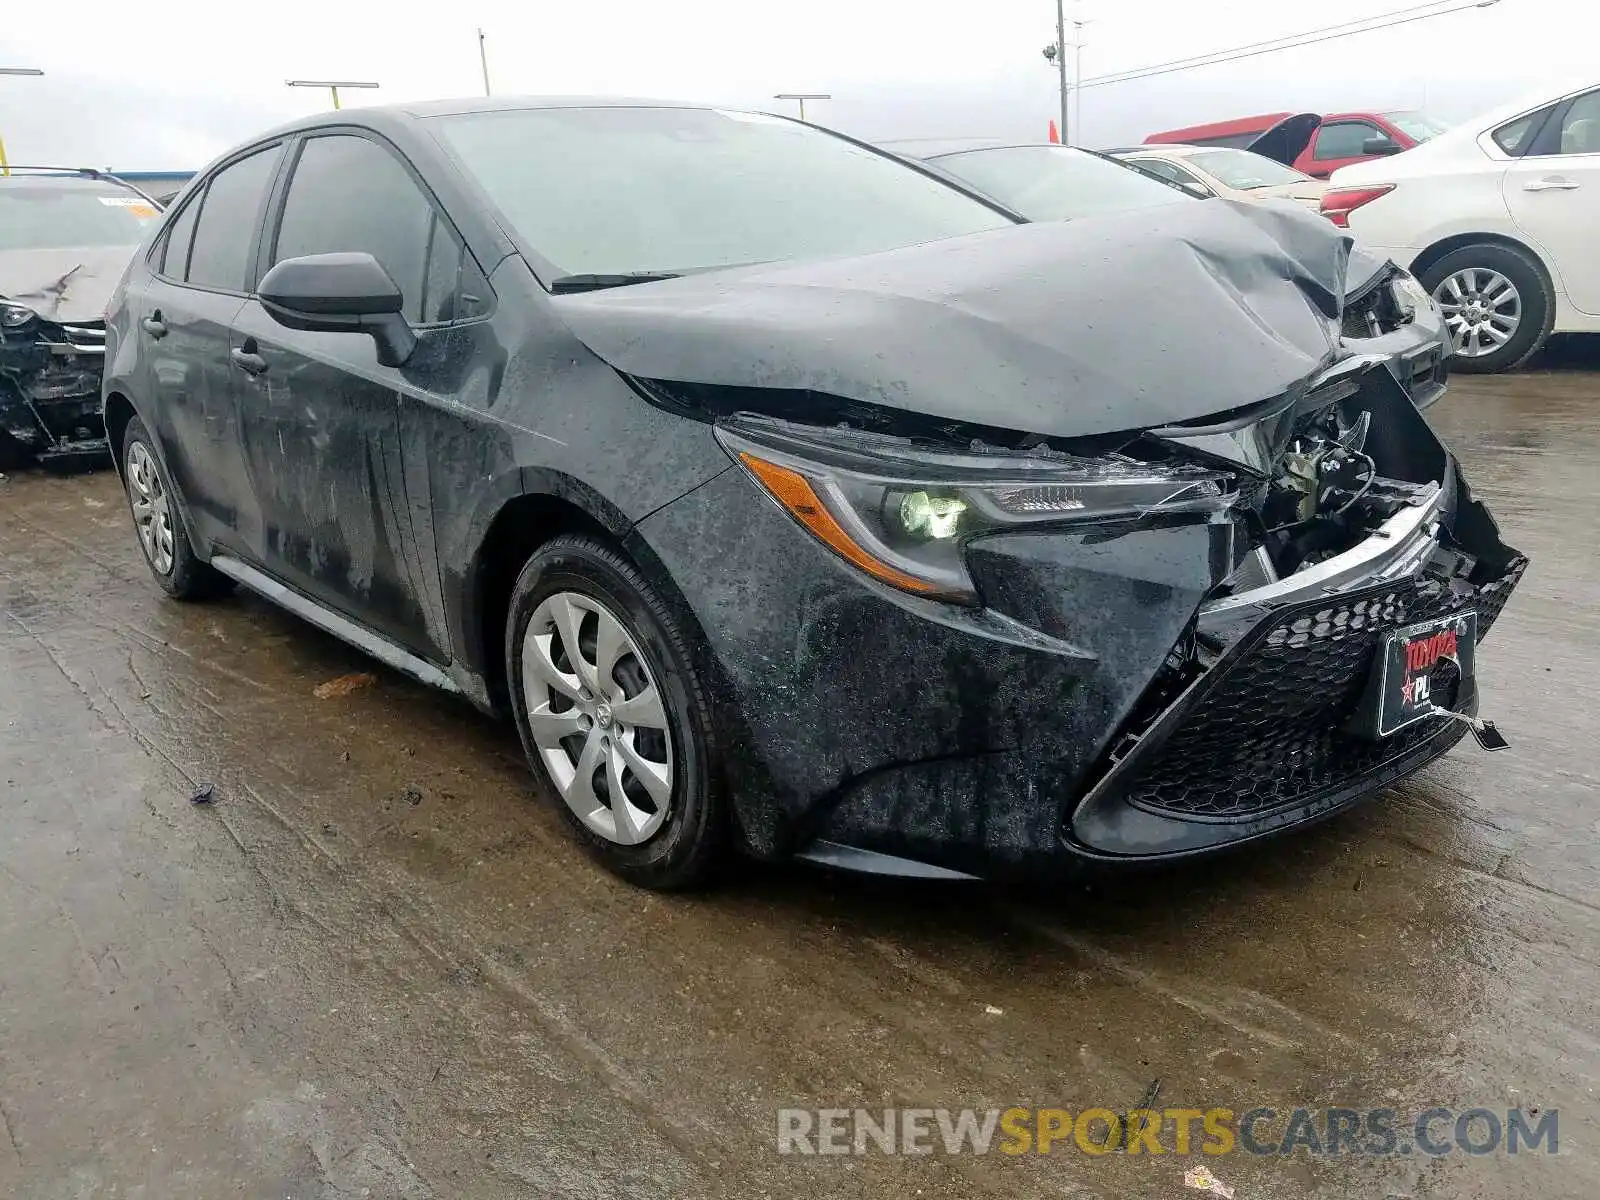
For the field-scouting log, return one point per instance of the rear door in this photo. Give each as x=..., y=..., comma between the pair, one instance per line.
x=199, y=270
x=1553, y=193
x=320, y=418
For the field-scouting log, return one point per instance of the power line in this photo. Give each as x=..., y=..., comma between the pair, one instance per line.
x=1404, y=16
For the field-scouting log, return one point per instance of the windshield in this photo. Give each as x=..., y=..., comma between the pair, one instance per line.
x=1419, y=127
x=41, y=216
x=1057, y=183
x=1246, y=171
x=618, y=190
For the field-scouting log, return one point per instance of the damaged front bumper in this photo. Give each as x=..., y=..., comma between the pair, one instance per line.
x=50, y=389
x=1124, y=692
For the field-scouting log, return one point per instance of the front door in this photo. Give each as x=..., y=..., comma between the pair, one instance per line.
x=1553, y=193
x=320, y=420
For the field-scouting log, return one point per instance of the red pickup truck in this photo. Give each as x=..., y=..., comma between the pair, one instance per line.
x=1315, y=143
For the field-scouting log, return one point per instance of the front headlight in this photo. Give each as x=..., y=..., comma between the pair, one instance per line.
x=15, y=316
x=902, y=513
x=1410, y=297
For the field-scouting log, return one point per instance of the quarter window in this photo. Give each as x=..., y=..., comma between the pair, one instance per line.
x=175, y=250
x=228, y=212
x=1344, y=139
x=1512, y=137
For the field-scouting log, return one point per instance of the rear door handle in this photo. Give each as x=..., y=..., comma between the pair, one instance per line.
x=1551, y=183
x=154, y=325
x=247, y=361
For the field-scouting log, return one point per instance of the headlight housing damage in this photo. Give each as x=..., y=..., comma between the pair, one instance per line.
x=15, y=316
x=903, y=513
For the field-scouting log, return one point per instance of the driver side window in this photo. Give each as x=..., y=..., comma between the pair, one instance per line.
x=349, y=193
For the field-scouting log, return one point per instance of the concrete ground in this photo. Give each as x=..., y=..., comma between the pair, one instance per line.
x=376, y=965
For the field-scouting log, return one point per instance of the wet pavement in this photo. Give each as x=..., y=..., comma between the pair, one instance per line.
x=377, y=965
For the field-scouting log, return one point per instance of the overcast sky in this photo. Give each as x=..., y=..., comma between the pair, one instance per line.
x=170, y=85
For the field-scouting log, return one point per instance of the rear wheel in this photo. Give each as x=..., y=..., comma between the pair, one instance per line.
x=167, y=550
x=1497, y=306
x=612, y=714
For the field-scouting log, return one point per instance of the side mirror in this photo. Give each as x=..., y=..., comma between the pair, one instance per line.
x=1379, y=146
x=340, y=293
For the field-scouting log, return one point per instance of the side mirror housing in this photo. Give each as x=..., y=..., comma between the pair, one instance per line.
x=340, y=293
x=1379, y=146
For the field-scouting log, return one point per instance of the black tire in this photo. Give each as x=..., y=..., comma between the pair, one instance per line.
x=1538, y=302
x=187, y=578
x=689, y=844
x=14, y=456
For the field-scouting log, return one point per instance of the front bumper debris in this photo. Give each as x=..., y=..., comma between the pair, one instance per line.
x=50, y=390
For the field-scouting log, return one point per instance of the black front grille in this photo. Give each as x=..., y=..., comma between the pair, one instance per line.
x=1268, y=732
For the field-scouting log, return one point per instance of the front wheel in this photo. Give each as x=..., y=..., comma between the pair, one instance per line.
x=1497, y=305
x=612, y=713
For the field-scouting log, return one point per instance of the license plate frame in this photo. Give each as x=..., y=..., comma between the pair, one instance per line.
x=1400, y=691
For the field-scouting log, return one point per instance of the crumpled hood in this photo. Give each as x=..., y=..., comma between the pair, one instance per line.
x=1067, y=329
x=64, y=284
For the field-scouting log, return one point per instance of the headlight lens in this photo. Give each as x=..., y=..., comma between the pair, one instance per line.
x=1410, y=296
x=15, y=316
x=902, y=514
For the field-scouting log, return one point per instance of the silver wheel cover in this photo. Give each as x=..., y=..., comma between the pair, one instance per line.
x=597, y=719
x=1482, y=310
x=152, y=512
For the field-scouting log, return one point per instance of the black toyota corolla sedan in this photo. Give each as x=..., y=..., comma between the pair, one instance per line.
x=790, y=497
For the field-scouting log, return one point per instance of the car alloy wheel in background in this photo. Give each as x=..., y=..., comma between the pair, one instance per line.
x=1498, y=305
x=1482, y=309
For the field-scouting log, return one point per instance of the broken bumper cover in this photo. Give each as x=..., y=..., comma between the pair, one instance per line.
x=50, y=390
x=1103, y=704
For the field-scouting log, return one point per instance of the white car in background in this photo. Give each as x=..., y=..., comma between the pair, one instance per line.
x=1500, y=220
x=1224, y=171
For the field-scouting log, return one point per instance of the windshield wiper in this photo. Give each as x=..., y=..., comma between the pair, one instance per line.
x=566, y=284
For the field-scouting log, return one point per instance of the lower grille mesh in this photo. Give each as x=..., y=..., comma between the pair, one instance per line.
x=1268, y=734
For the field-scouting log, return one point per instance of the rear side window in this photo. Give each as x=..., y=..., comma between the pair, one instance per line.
x=175, y=250
x=1580, y=128
x=349, y=193
x=220, y=256
x=1344, y=139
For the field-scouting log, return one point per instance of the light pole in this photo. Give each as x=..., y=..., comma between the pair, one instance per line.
x=333, y=85
x=1056, y=55
x=5, y=165
x=483, y=61
x=802, y=97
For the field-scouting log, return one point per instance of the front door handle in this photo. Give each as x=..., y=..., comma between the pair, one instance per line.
x=247, y=361
x=154, y=325
x=1552, y=183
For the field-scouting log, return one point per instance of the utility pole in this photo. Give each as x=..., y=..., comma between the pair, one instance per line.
x=1077, y=78
x=483, y=60
x=5, y=164
x=333, y=85
x=802, y=97
x=1061, y=69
